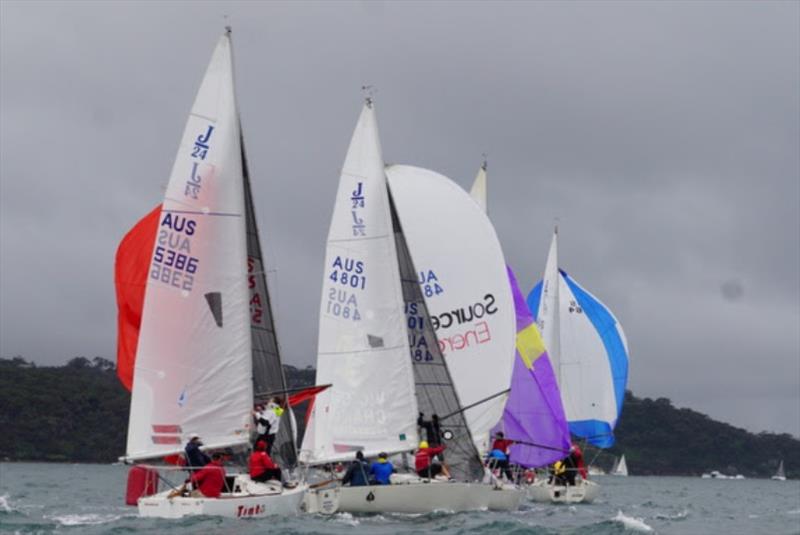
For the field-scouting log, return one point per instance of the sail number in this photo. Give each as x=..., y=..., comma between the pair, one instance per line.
x=175, y=269
x=348, y=279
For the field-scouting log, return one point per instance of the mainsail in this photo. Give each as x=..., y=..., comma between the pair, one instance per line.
x=620, y=467
x=588, y=349
x=363, y=344
x=193, y=361
x=462, y=275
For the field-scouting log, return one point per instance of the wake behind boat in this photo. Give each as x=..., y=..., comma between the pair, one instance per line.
x=196, y=340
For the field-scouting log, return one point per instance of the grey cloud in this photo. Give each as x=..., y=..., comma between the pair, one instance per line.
x=663, y=136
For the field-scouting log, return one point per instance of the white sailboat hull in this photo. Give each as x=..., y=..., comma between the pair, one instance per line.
x=779, y=478
x=582, y=492
x=269, y=499
x=505, y=498
x=422, y=497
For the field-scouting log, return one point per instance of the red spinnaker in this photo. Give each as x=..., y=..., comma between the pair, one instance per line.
x=130, y=278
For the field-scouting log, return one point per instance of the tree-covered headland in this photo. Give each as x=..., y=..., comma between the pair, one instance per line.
x=79, y=413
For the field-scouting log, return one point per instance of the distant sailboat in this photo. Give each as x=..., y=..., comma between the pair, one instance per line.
x=534, y=415
x=620, y=467
x=780, y=475
x=196, y=339
x=588, y=348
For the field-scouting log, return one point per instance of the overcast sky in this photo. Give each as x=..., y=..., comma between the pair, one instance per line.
x=665, y=137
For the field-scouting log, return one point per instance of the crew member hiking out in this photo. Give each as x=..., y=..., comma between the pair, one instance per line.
x=357, y=472
x=424, y=461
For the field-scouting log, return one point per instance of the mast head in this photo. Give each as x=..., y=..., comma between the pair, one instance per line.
x=484, y=165
x=369, y=92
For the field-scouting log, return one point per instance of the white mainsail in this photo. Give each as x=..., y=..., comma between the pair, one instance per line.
x=462, y=273
x=620, y=467
x=363, y=345
x=193, y=371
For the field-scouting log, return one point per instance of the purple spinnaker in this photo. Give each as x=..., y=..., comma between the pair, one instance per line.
x=534, y=415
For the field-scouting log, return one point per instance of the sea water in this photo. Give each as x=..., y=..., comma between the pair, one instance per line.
x=85, y=498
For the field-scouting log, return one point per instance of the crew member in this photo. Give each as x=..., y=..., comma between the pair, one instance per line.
x=208, y=481
x=357, y=472
x=262, y=468
x=423, y=461
x=195, y=457
x=382, y=470
x=432, y=429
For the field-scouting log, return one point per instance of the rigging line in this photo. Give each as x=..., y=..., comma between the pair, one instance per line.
x=479, y=402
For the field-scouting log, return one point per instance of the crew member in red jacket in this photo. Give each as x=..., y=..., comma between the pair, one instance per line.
x=577, y=455
x=423, y=461
x=209, y=480
x=262, y=468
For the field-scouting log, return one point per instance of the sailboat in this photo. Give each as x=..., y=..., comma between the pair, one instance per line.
x=378, y=347
x=780, y=475
x=620, y=467
x=588, y=350
x=462, y=275
x=534, y=415
x=197, y=343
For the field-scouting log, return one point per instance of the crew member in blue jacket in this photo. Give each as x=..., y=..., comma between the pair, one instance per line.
x=382, y=469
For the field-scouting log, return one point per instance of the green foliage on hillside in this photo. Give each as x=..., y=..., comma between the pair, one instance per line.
x=79, y=413
x=659, y=439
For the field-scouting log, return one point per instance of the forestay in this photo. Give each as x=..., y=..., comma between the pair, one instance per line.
x=588, y=348
x=193, y=369
x=363, y=345
x=461, y=271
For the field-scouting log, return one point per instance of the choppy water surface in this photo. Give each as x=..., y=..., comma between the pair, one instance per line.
x=65, y=498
